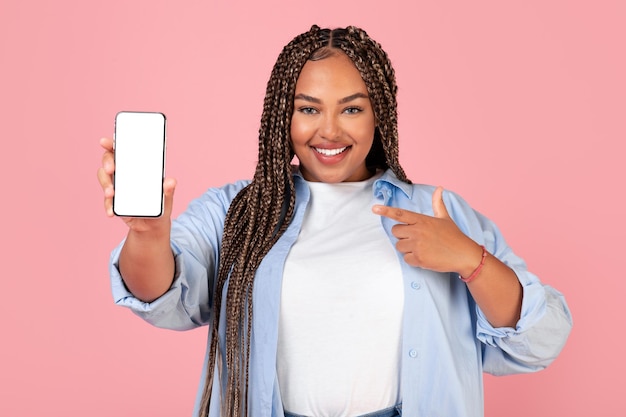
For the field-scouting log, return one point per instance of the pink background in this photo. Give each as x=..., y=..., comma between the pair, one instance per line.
x=518, y=106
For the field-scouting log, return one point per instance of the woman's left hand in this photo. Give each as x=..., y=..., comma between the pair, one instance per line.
x=434, y=243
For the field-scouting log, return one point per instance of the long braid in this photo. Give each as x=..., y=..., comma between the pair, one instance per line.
x=262, y=211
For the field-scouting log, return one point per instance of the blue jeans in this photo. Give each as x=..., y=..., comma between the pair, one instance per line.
x=395, y=411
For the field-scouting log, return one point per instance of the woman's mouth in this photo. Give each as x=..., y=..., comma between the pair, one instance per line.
x=330, y=152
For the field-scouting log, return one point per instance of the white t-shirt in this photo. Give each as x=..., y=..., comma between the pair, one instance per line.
x=341, y=308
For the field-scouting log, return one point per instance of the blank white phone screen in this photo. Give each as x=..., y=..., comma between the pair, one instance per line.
x=139, y=164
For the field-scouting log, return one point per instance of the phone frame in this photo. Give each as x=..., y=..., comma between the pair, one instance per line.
x=138, y=194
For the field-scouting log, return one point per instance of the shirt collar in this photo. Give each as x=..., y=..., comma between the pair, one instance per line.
x=389, y=179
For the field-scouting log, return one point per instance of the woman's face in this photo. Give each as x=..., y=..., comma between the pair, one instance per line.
x=332, y=127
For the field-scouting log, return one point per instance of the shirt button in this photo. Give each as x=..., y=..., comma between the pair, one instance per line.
x=413, y=353
x=415, y=285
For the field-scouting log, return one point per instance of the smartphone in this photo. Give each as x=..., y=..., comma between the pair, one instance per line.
x=139, y=149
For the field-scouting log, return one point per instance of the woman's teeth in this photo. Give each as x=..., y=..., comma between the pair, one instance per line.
x=330, y=152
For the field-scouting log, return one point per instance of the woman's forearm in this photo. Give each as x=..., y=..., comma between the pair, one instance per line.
x=147, y=264
x=498, y=293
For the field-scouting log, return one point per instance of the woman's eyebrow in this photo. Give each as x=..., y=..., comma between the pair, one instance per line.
x=341, y=101
x=307, y=98
x=353, y=97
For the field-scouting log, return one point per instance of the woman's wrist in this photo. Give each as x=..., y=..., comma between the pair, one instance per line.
x=477, y=268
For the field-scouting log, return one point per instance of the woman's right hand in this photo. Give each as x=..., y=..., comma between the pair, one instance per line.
x=138, y=224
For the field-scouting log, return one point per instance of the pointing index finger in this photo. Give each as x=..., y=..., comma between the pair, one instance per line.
x=395, y=213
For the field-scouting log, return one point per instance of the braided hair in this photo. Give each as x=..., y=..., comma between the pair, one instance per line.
x=263, y=210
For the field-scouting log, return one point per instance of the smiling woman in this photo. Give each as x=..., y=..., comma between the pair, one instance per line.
x=332, y=128
x=336, y=287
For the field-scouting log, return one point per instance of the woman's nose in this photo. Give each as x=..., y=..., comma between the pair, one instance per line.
x=330, y=129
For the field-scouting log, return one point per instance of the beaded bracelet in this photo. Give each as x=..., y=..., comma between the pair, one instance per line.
x=478, y=268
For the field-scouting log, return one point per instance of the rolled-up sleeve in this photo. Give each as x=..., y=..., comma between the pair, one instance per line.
x=184, y=306
x=537, y=339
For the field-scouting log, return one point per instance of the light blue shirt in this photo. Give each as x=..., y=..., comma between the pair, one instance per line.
x=447, y=341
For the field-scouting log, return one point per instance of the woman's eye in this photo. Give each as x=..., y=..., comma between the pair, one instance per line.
x=353, y=110
x=307, y=110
